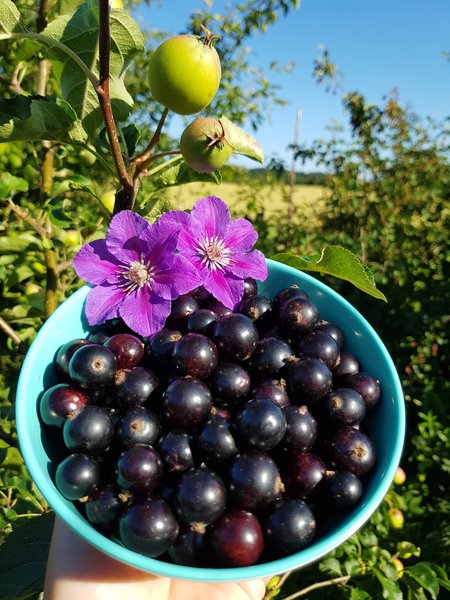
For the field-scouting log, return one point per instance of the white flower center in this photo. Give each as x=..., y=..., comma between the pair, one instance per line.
x=135, y=275
x=214, y=253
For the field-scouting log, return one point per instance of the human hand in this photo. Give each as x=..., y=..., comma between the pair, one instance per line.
x=78, y=571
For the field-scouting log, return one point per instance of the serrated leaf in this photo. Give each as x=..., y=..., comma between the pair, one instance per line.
x=425, y=576
x=241, y=142
x=31, y=118
x=10, y=17
x=391, y=590
x=23, y=557
x=180, y=173
x=9, y=184
x=336, y=261
x=79, y=31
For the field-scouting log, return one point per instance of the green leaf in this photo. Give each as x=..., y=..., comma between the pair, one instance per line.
x=391, y=590
x=31, y=118
x=10, y=17
x=23, y=557
x=79, y=31
x=180, y=173
x=336, y=261
x=358, y=594
x=19, y=274
x=331, y=565
x=13, y=245
x=241, y=142
x=407, y=549
x=425, y=576
x=10, y=184
x=131, y=135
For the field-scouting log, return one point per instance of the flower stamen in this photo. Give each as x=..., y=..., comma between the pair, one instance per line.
x=214, y=253
x=135, y=275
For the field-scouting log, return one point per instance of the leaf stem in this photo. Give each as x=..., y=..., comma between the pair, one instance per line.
x=155, y=157
x=316, y=586
x=164, y=165
x=143, y=159
x=10, y=332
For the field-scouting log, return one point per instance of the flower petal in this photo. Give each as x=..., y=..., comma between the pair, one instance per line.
x=94, y=263
x=102, y=303
x=181, y=278
x=177, y=217
x=123, y=236
x=253, y=264
x=210, y=215
x=241, y=236
x=160, y=240
x=187, y=247
x=224, y=287
x=144, y=312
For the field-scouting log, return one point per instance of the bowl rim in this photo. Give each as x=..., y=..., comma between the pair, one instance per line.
x=308, y=555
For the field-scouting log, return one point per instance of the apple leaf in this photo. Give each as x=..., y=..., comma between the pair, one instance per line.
x=241, y=142
x=180, y=173
x=10, y=184
x=30, y=118
x=78, y=30
x=336, y=261
x=10, y=17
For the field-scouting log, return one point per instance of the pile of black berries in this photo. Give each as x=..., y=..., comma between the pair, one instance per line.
x=225, y=439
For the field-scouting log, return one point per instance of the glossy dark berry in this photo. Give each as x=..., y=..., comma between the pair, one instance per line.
x=200, y=497
x=309, y=380
x=174, y=447
x=138, y=425
x=202, y=295
x=216, y=442
x=92, y=366
x=218, y=308
x=77, y=476
x=148, y=527
x=139, y=468
x=99, y=336
x=298, y=316
x=365, y=385
x=253, y=481
x=182, y=307
x=229, y=384
x=201, y=321
x=259, y=310
x=187, y=402
x=343, y=407
x=89, y=430
x=65, y=353
x=318, y=344
x=260, y=424
x=331, y=329
x=159, y=349
x=288, y=527
x=301, y=473
x=250, y=288
x=128, y=349
x=237, y=539
x=352, y=450
x=104, y=507
x=195, y=354
x=287, y=294
x=274, y=389
x=235, y=337
x=344, y=489
x=59, y=401
x=269, y=357
x=191, y=548
x=134, y=386
x=347, y=364
x=301, y=429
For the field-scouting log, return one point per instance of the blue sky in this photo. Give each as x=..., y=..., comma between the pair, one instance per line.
x=378, y=45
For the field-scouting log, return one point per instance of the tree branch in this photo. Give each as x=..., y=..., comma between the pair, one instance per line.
x=25, y=216
x=142, y=160
x=316, y=586
x=10, y=332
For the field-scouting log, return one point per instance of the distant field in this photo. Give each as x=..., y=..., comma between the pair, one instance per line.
x=308, y=200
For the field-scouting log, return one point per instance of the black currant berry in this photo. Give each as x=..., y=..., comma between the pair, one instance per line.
x=159, y=349
x=229, y=384
x=287, y=294
x=343, y=407
x=187, y=402
x=331, y=329
x=148, y=527
x=352, y=450
x=274, y=389
x=301, y=429
x=365, y=385
x=259, y=310
x=269, y=357
x=200, y=497
x=347, y=364
x=65, y=353
x=288, y=527
x=78, y=475
x=237, y=539
x=343, y=488
x=250, y=288
x=260, y=424
x=318, y=344
x=216, y=442
x=104, y=507
x=59, y=401
x=301, y=473
x=138, y=425
x=182, y=307
x=89, y=430
x=139, y=469
x=174, y=447
x=254, y=481
x=298, y=316
x=134, y=386
x=235, y=337
x=201, y=321
x=128, y=349
x=195, y=355
x=218, y=308
x=309, y=380
x=191, y=548
x=92, y=366
x=202, y=296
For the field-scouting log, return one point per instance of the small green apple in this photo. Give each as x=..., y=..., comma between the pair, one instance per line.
x=396, y=518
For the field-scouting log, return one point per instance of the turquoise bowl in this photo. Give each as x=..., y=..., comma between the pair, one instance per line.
x=386, y=429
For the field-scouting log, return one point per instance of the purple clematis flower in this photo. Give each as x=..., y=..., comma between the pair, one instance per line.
x=219, y=248
x=135, y=273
